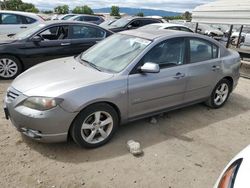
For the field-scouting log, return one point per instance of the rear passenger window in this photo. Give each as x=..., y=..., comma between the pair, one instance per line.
x=89, y=19
x=29, y=20
x=78, y=31
x=201, y=50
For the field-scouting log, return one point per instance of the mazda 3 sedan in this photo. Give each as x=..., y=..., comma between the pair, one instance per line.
x=128, y=76
x=44, y=42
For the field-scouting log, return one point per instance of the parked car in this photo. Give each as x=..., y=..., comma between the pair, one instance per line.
x=236, y=173
x=127, y=23
x=44, y=42
x=171, y=26
x=205, y=29
x=128, y=76
x=67, y=16
x=12, y=22
x=88, y=18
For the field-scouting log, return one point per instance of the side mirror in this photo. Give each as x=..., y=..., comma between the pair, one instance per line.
x=150, y=68
x=36, y=39
x=130, y=27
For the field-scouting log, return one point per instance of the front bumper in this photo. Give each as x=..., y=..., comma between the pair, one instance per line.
x=44, y=126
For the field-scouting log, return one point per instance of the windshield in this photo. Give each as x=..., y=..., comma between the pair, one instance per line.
x=115, y=53
x=67, y=17
x=121, y=22
x=107, y=22
x=28, y=32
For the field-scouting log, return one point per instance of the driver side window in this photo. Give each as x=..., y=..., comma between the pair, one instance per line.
x=55, y=33
x=167, y=54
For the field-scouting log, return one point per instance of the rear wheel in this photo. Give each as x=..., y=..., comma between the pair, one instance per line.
x=95, y=125
x=220, y=94
x=10, y=67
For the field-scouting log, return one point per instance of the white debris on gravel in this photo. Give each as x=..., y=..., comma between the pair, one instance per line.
x=134, y=147
x=153, y=120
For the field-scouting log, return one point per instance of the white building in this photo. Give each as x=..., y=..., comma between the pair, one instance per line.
x=236, y=12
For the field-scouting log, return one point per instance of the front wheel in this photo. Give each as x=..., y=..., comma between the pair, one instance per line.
x=220, y=94
x=10, y=67
x=95, y=125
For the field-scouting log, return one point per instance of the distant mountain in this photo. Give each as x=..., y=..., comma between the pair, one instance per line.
x=133, y=11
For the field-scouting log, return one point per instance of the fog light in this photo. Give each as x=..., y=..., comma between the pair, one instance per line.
x=31, y=133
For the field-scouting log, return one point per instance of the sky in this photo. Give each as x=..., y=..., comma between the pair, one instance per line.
x=168, y=5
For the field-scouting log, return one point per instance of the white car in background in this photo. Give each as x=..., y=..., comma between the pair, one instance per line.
x=171, y=26
x=236, y=174
x=12, y=22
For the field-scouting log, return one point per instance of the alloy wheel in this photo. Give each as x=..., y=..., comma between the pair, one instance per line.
x=97, y=127
x=8, y=68
x=221, y=94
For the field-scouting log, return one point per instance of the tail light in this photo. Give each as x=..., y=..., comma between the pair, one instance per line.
x=228, y=178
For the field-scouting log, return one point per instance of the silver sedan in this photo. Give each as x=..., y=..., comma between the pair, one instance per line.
x=128, y=76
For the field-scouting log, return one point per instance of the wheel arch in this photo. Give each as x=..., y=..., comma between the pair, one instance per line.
x=116, y=108
x=231, y=81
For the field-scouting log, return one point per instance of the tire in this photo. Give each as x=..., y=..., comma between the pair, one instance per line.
x=10, y=67
x=219, y=95
x=95, y=125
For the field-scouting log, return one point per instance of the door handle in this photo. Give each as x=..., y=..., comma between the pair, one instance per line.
x=215, y=67
x=179, y=75
x=65, y=44
x=23, y=27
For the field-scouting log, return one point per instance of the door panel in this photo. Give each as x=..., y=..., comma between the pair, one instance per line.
x=204, y=71
x=201, y=79
x=55, y=44
x=153, y=92
x=150, y=92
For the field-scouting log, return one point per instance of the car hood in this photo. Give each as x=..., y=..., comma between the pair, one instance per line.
x=56, y=77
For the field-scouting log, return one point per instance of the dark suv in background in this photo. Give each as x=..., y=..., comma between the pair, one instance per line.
x=127, y=23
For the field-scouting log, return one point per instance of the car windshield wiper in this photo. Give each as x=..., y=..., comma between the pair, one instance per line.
x=92, y=65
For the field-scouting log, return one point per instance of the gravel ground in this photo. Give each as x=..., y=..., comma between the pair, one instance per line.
x=185, y=148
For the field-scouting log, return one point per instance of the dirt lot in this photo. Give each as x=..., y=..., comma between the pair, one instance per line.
x=186, y=148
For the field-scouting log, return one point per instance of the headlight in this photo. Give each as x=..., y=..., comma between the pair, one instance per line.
x=41, y=103
x=228, y=178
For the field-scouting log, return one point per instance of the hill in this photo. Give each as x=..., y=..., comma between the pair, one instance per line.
x=133, y=11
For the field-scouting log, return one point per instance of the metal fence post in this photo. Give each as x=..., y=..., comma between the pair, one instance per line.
x=239, y=39
x=229, y=36
x=196, y=27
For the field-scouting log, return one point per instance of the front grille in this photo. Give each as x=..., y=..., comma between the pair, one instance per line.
x=12, y=94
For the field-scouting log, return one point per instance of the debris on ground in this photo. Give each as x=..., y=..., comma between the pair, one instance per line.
x=134, y=148
x=153, y=120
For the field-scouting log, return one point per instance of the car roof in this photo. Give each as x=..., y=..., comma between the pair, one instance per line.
x=51, y=22
x=152, y=34
x=18, y=12
x=168, y=24
x=27, y=14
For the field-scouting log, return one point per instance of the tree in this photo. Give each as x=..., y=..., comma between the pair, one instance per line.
x=141, y=14
x=187, y=15
x=28, y=7
x=18, y=5
x=47, y=11
x=115, y=11
x=82, y=10
x=11, y=4
x=62, y=9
